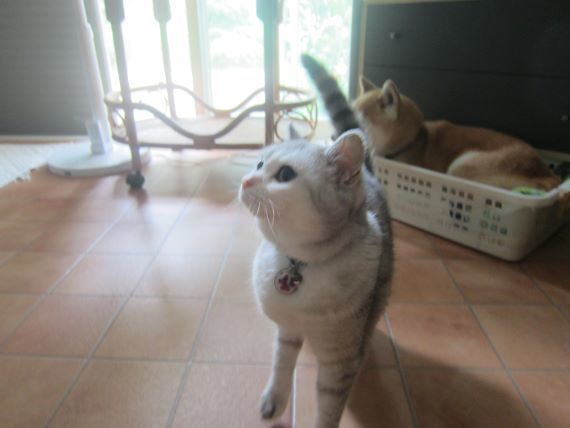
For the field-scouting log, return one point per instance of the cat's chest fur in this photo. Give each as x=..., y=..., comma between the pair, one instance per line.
x=328, y=289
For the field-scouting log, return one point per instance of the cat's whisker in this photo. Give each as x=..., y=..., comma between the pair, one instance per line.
x=272, y=223
x=268, y=221
x=275, y=208
x=272, y=214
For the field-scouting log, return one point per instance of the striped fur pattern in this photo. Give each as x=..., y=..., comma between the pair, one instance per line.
x=340, y=112
x=333, y=216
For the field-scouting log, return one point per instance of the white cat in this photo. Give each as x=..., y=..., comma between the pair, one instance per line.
x=323, y=271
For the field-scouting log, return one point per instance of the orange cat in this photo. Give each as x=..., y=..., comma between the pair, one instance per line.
x=398, y=131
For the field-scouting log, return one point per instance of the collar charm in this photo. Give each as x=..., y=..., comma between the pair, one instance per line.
x=287, y=280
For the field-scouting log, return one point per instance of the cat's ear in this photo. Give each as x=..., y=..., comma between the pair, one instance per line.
x=293, y=134
x=366, y=85
x=389, y=100
x=347, y=156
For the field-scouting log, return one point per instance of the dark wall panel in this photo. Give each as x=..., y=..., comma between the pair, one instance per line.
x=42, y=85
x=501, y=64
x=527, y=107
x=501, y=36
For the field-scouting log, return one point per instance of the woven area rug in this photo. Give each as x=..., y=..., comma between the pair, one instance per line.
x=17, y=160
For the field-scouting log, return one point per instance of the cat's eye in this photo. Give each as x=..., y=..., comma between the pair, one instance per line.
x=260, y=164
x=285, y=174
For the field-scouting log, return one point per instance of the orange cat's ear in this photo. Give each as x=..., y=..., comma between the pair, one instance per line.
x=389, y=100
x=366, y=85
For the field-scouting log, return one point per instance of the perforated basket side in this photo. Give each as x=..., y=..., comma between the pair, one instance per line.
x=491, y=220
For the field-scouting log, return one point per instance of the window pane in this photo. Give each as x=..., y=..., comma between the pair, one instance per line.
x=143, y=49
x=235, y=37
x=320, y=28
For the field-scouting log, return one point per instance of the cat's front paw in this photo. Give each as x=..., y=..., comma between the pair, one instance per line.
x=272, y=405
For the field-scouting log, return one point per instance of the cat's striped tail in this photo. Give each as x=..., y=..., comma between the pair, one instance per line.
x=340, y=112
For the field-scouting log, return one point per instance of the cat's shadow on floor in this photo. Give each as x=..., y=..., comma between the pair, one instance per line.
x=442, y=396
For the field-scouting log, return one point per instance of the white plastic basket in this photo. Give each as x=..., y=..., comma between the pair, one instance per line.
x=495, y=221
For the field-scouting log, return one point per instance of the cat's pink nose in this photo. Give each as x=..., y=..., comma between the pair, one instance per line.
x=248, y=183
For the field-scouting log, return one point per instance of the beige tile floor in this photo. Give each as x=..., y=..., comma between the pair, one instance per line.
x=131, y=309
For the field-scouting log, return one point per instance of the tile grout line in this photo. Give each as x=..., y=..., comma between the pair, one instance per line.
x=403, y=377
x=442, y=260
x=25, y=248
x=29, y=244
x=399, y=365
x=105, y=358
x=54, y=222
x=232, y=299
x=508, y=372
x=200, y=332
x=466, y=302
x=87, y=359
x=41, y=357
x=44, y=296
x=120, y=309
x=197, y=339
x=293, y=410
x=268, y=364
x=552, y=302
x=189, y=360
x=500, y=358
x=11, y=256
